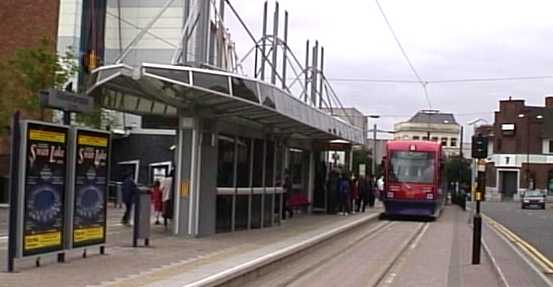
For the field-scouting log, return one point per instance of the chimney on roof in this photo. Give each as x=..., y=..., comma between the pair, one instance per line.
x=549, y=102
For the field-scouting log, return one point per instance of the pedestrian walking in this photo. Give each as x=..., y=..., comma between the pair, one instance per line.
x=129, y=190
x=156, y=200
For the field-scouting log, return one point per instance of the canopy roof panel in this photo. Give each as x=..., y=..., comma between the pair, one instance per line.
x=163, y=89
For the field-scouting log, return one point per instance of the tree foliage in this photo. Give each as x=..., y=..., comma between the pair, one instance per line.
x=457, y=169
x=27, y=72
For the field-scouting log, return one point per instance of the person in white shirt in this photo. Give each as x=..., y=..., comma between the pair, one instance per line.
x=166, y=187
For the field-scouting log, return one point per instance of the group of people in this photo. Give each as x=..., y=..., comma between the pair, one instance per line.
x=161, y=197
x=354, y=194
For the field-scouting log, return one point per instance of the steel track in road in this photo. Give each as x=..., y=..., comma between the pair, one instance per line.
x=312, y=267
x=387, y=276
x=371, y=233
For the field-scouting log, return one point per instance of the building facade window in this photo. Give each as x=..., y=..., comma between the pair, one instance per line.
x=225, y=162
x=444, y=141
x=550, y=146
x=416, y=138
x=243, y=164
x=453, y=142
x=435, y=139
x=425, y=138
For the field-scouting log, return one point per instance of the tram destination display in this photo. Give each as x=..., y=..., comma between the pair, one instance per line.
x=45, y=157
x=91, y=184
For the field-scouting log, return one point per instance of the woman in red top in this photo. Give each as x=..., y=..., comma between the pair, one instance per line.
x=156, y=200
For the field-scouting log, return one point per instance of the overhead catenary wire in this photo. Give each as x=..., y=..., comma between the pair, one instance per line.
x=405, y=56
x=447, y=81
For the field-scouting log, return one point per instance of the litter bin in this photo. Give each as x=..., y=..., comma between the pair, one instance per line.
x=119, y=194
x=142, y=222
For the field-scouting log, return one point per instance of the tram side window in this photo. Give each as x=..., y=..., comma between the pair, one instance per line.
x=453, y=142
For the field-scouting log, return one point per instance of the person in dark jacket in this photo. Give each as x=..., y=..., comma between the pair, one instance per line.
x=344, y=191
x=363, y=186
x=371, y=191
x=129, y=189
x=286, y=210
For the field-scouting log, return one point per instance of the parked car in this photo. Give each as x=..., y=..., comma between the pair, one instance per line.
x=533, y=198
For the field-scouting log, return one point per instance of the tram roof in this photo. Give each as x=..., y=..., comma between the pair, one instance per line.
x=154, y=89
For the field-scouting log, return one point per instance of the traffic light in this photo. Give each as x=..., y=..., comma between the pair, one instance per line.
x=479, y=146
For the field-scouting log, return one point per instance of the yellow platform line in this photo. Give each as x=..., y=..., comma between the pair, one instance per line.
x=530, y=250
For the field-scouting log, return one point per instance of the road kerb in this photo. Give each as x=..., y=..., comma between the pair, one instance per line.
x=545, y=264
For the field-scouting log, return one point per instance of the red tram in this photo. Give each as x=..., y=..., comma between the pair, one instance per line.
x=413, y=178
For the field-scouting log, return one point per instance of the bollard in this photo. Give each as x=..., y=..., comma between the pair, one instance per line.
x=141, y=227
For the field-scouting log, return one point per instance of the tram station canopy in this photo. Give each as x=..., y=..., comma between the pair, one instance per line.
x=162, y=90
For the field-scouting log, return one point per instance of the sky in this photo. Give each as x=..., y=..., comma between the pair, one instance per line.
x=444, y=39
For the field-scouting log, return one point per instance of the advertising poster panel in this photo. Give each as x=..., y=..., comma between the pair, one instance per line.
x=44, y=182
x=91, y=187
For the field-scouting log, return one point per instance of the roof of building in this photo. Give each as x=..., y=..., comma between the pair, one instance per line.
x=433, y=118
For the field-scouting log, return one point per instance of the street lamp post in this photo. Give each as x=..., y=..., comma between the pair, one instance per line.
x=528, y=122
x=373, y=168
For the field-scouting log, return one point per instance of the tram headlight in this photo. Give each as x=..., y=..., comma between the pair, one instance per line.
x=429, y=196
x=390, y=194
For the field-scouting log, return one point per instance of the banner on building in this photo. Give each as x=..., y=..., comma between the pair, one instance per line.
x=44, y=183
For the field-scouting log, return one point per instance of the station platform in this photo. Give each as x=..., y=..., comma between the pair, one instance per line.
x=440, y=257
x=168, y=256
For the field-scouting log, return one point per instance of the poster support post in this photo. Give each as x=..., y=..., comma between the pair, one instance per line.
x=14, y=180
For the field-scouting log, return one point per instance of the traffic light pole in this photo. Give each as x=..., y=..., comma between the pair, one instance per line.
x=477, y=222
x=479, y=151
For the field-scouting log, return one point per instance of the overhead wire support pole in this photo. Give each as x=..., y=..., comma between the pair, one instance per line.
x=285, y=50
x=263, y=39
x=306, y=83
x=314, y=73
x=321, y=80
x=143, y=32
x=250, y=34
x=275, y=44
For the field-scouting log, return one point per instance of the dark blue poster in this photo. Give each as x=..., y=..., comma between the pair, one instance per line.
x=91, y=184
x=45, y=175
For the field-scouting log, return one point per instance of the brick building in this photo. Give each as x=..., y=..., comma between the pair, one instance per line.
x=24, y=24
x=521, y=149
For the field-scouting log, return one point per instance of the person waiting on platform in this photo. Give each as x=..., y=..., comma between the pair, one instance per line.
x=156, y=200
x=363, y=186
x=343, y=195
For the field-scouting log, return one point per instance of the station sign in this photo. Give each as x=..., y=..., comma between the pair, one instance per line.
x=66, y=101
x=44, y=162
x=91, y=163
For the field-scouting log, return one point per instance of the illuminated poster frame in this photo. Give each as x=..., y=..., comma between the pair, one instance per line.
x=42, y=188
x=89, y=179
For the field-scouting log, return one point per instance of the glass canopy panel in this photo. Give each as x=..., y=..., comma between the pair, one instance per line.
x=212, y=82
